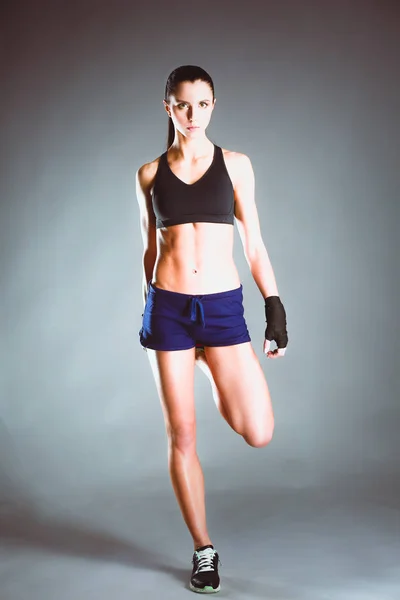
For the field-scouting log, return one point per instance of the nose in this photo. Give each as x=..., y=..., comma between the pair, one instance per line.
x=192, y=114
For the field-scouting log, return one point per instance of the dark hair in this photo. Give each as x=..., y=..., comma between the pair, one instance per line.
x=179, y=75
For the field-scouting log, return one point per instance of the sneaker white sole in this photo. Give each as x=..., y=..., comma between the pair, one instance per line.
x=206, y=590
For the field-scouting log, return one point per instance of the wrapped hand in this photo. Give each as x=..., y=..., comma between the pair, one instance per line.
x=275, y=317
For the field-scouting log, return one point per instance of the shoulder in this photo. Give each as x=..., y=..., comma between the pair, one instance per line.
x=238, y=165
x=145, y=175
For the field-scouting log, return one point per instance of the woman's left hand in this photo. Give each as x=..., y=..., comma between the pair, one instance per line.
x=273, y=353
x=275, y=317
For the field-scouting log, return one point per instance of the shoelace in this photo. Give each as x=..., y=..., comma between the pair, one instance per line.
x=205, y=558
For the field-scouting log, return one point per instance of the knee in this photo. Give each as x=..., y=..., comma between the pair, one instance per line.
x=182, y=437
x=259, y=438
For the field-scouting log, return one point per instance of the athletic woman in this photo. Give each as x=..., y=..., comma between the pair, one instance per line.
x=189, y=199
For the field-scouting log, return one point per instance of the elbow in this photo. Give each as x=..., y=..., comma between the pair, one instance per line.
x=256, y=252
x=149, y=256
x=149, y=260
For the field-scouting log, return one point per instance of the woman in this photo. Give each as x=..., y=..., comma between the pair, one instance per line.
x=188, y=199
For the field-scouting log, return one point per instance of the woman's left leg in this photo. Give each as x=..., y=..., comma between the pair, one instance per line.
x=240, y=390
x=201, y=362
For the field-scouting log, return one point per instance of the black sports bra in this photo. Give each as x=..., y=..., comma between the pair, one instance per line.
x=210, y=199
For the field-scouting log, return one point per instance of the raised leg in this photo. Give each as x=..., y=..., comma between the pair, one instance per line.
x=240, y=390
x=201, y=362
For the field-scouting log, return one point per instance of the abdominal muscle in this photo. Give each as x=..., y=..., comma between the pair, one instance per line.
x=196, y=259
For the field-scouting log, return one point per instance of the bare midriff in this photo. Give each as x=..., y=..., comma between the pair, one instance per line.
x=196, y=258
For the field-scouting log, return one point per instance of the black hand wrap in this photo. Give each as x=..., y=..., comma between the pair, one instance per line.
x=275, y=317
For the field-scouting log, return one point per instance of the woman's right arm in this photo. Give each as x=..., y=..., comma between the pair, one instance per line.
x=144, y=178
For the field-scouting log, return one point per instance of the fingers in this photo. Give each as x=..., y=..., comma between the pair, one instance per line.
x=276, y=353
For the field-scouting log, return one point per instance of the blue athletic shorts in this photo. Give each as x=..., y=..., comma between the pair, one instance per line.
x=175, y=321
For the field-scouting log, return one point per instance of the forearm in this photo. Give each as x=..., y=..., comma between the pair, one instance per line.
x=148, y=267
x=262, y=272
x=145, y=289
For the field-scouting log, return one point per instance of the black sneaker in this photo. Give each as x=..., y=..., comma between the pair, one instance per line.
x=205, y=578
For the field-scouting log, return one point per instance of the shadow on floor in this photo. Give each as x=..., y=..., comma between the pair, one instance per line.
x=25, y=528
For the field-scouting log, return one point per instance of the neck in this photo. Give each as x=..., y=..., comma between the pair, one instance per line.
x=189, y=149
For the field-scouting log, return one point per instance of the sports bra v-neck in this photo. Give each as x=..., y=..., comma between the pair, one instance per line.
x=209, y=199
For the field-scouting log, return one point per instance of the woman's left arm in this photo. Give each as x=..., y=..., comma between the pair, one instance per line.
x=257, y=256
x=249, y=227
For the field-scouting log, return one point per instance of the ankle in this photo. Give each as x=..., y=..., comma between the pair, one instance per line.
x=201, y=543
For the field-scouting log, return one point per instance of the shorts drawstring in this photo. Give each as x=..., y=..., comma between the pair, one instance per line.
x=196, y=303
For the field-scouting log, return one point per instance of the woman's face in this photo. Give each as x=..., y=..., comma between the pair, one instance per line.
x=191, y=105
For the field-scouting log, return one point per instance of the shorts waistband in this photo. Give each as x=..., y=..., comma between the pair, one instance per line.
x=212, y=296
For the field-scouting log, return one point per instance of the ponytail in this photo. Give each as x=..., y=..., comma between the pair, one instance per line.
x=171, y=132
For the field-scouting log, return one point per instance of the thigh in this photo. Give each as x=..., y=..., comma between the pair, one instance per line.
x=242, y=388
x=174, y=377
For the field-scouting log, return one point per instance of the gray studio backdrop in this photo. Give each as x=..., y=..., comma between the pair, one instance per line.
x=310, y=92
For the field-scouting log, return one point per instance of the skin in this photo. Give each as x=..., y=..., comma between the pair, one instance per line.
x=197, y=258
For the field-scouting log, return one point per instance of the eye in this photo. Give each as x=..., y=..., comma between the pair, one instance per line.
x=183, y=104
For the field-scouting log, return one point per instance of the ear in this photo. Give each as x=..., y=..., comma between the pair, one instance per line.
x=166, y=107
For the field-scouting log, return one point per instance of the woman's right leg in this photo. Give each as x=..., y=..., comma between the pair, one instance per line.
x=173, y=372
